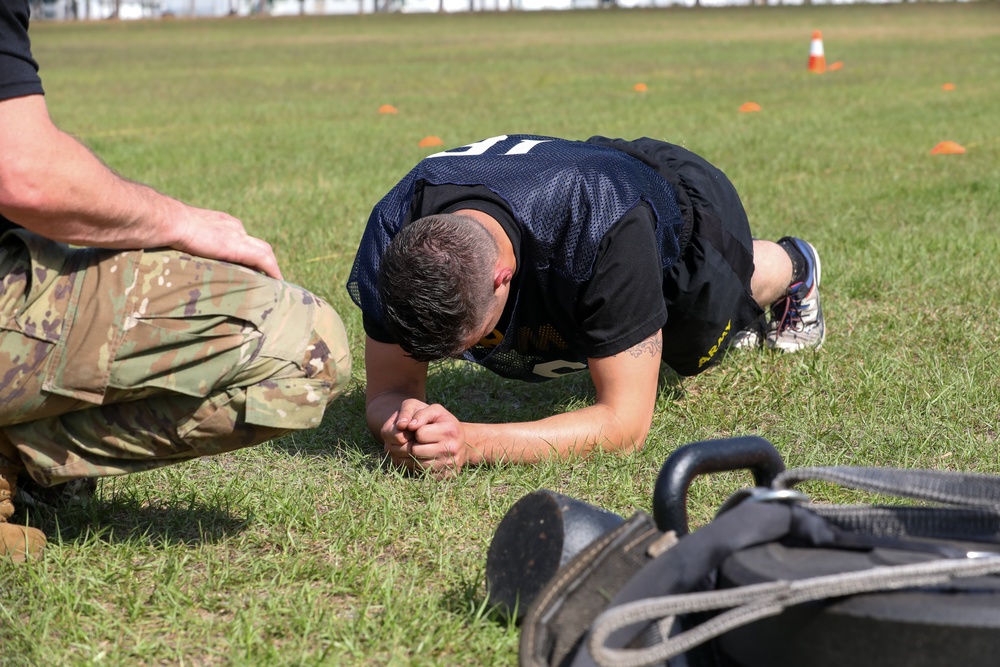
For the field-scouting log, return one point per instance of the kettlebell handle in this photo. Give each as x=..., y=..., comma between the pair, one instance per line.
x=748, y=452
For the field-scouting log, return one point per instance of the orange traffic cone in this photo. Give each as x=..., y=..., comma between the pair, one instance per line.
x=817, y=60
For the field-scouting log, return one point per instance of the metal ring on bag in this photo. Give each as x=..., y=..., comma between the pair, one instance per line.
x=762, y=494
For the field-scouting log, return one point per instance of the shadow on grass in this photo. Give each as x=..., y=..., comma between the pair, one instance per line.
x=470, y=598
x=127, y=518
x=470, y=392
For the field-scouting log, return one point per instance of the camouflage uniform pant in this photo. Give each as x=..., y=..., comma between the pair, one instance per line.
x=115, y=362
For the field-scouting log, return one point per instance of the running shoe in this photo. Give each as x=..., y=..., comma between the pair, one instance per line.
x=752, y=337
x=797, y=318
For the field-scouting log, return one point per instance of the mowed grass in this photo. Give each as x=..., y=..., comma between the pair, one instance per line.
x=307, y=550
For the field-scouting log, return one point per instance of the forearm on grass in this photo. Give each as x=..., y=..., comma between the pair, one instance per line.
x=560, y=436
x=618, y=420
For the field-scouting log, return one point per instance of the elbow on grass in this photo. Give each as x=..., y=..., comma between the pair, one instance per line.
x=628, y=445
x=633, y=446
x=635, y=439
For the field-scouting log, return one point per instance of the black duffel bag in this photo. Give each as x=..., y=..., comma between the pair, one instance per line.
x=774, y=580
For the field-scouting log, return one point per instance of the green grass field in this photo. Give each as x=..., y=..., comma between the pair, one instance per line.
x=306, y=550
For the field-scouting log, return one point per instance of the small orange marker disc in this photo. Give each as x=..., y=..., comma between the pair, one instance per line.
x=947, y=148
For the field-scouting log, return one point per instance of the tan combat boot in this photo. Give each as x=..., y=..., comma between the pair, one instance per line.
x=16, y=542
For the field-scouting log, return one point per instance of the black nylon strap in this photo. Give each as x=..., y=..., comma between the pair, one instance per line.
x=945, y=523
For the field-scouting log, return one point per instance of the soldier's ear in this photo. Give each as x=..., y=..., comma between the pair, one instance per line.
x=502, y=275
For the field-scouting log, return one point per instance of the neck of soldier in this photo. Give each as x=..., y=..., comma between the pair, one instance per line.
x=506, y=255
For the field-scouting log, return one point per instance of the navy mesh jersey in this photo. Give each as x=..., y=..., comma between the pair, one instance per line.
x=565, y=196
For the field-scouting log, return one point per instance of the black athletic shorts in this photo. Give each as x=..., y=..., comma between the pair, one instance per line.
x=707, y=291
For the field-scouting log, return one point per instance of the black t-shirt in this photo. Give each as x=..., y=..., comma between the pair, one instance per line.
x=18, y=69
x=622, y=303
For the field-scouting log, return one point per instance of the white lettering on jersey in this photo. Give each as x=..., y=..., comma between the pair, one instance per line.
x=554, y=369
x=525, y=145
x=480, y=147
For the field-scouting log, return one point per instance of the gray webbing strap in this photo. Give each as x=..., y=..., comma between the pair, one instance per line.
x=953, y=488
x=750, y=603
x=900, y=521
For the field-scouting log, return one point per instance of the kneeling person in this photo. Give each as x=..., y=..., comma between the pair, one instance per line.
x=119, y=362
x=114, y=359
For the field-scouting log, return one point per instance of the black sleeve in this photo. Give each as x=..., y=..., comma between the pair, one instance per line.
x=448, y=198
x=622, y=304
x=18, y=70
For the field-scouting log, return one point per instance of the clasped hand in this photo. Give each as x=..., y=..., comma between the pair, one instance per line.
x=419, y=436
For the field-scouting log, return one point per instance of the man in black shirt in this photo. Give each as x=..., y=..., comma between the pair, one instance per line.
x=115, y=359
x=537, y=256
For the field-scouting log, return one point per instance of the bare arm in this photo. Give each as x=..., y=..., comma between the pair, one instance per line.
x=618, y=420
x=54, y=186
x=391, y=379
x=428, y=436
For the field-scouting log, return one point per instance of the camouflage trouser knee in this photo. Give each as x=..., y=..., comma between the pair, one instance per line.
x=117, y=362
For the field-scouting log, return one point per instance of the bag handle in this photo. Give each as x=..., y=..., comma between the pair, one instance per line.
x=951, y=488
x=748, y=452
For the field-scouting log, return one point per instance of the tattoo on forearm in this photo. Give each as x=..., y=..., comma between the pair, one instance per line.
x=651, y=346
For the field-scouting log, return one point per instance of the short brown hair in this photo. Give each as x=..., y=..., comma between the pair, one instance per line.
x=436, y=284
